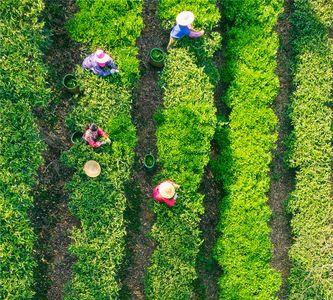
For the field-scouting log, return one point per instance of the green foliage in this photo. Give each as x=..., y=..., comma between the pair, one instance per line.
x=206, y=13
x=22, y=71
x=311, y=154
x=112, y=24
x=99, y=203
x=22, y=85
x=244, y=249
x=20, y=157
x=207, y=17
x=185, y=128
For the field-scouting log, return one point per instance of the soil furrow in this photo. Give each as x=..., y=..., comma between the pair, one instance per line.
x=281, y=177
x=147, y=98
x=52, y=220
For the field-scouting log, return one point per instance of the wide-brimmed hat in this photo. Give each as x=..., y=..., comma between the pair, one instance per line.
x=166, y=190
x=185, y=18
x=101, y=56
x=92, y=168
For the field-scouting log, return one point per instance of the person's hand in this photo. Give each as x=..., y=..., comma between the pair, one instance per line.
x=108, y=141
x=202, y=32
x=176, y=185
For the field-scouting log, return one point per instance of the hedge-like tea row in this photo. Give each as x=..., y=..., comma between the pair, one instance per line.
x=22, y=85
x=207, y=17
x=311, y=153
x=99, y=203
x=244, y=249
x=185, y=128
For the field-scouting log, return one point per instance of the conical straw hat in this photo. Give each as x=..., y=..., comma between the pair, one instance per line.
x=185, y=18
x=166, y=190
x=92, y=168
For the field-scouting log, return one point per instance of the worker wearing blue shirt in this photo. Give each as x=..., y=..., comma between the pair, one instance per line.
x=183, y=28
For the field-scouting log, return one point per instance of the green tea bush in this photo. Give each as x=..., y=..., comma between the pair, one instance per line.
x=185, y=128
x=99, y=203
x=244, y=248
x=22, y=86
x=22, y=71
x=311, y=154
x=207, y=17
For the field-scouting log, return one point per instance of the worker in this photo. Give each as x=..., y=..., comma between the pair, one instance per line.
x=100, y=63
x=93, y=133
x=166, y=192
x=183, y=28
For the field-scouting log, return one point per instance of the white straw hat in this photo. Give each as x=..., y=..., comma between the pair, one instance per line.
x=185, y=18
x=92, y=168
x=166, y=190
x=101, y=56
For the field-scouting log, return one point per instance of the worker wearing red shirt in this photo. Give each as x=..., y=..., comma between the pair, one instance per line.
x=166, y=192
x=92, y=134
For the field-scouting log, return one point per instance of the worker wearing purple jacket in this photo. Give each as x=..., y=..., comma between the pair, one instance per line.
x=183, y=28
x=100, y=63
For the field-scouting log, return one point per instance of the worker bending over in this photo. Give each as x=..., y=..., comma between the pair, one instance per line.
x=100, y=63
x=183, y=28
x=166, y=192
x=93, y=133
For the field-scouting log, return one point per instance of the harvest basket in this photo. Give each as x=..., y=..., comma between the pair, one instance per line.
x=149, y=162
x=157, y=57
x=76, y=137
x=70, y=83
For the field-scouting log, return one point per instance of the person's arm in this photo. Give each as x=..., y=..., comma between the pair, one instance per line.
x=173, y=183
x=170, y=202
x=196, y=34
x=100, y=132
x=99, y=71
x=95, y=144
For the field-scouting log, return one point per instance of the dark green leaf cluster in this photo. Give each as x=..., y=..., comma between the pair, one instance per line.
x=22, y=85
x=99, y=203
x=244, y=249
x=22, y=71
x=311, y=154
x=185, y=129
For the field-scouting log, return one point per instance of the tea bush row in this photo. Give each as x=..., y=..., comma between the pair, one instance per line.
x=22, y=86
x=244, y=248
x=311, y=153
x=184, y=131
x=207, y=16
x=99, y=203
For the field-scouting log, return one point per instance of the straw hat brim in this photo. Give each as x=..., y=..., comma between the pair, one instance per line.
x=92, y=168
x=166, y=190
x=185, y=18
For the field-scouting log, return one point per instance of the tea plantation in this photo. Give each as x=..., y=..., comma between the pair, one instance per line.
x=241, y=119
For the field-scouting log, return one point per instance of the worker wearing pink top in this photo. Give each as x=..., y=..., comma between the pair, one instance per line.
x=92, y=134
x=166, y=192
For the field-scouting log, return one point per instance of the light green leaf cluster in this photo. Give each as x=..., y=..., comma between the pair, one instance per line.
x=244, y=249
x=311, y=154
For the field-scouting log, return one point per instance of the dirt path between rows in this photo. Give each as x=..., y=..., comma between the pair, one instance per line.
x=147, y=98
x=51, y=217
x=281, y=177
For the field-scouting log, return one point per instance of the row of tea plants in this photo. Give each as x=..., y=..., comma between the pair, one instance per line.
x=185, y=127
x=244, y=248
x=99, y=203
x=311, y=152
x=22, y=87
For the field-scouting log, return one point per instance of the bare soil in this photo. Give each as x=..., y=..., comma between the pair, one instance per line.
x=281, y=177
x=52, y=219
x=148, y=97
